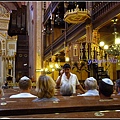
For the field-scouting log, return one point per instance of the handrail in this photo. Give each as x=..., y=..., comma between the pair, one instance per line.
x=102, y=8
x=50, y=9
x=70, y=32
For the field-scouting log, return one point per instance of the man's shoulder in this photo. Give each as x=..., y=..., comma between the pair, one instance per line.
x=14, y=96
x=73, y=74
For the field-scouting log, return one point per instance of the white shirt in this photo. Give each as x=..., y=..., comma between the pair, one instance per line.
x=23, y=95
x=73, y=80
x=90, y=93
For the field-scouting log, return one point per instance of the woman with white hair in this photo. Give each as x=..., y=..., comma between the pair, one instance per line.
x=66, y=89
x=91, y=87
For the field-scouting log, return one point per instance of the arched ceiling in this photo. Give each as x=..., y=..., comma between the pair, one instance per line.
x=12, y=5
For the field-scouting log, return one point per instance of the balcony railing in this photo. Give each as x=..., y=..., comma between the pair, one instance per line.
x=100, y=8
x=71, y=32
x=51, y=8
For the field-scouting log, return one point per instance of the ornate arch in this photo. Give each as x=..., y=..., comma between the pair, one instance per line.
x=4, y=6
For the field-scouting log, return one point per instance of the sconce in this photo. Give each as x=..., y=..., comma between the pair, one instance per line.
x=51, y=68
x=48, y=30
x=58, y=20
x=67, y=59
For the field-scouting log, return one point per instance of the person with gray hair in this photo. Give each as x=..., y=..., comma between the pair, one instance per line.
x=91, y=87
x=25, y=85
x=66, y=89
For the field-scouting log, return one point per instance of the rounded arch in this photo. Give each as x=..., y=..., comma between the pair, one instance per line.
x=5, y=6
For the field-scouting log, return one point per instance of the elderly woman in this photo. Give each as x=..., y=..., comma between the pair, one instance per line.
x=91, y=87
x=66, y=89
x=45, y=89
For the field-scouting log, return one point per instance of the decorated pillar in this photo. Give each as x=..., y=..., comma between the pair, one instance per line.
x=10, y=57
x=4, y=22
x=88, y=40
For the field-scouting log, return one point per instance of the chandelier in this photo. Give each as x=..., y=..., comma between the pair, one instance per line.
x=51, y=67
x=76, y=15
x=114, y=49
x=58, y=20
x=47, y=31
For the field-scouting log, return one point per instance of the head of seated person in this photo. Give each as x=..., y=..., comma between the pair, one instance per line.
x=25, y=84
x=91, y=87
x=117, y=86
x=5, y=86
x=45, y=89
x=66, y=89
x=105, y=88
x=91, y=83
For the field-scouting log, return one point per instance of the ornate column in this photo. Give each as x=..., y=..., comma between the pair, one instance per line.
x=4, y=22
x=66, y=49
x=89, y=40
x=11, y=52
x=38, y=13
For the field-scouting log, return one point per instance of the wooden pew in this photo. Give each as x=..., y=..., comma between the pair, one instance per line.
x=94, y=114
x=65, y=105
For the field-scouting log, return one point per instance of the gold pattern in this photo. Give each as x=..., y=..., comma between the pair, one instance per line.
x=76, y=16
x=11, y=46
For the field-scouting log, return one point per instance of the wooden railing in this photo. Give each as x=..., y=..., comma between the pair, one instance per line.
x=73, y=30
x=50, y=9
x=100, y=8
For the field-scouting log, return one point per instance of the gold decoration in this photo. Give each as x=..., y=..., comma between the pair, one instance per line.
x=12, y=38
x=5, y=15
x=12, y=46
x=76, y=16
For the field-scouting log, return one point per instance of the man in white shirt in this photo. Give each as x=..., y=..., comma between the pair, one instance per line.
x=25, y=87
x=68, y=77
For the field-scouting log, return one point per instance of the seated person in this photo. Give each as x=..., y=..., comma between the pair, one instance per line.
x=91, y=87
x=45, y=88
x=5, y=86
x=66, y=89
x=25, y=86
x=105, y=88
x=117, y=86
x=1, y=92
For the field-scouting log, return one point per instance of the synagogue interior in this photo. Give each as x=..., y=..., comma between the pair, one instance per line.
x=41, y=36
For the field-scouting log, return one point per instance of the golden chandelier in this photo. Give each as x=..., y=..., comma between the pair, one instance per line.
x=76, y=16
